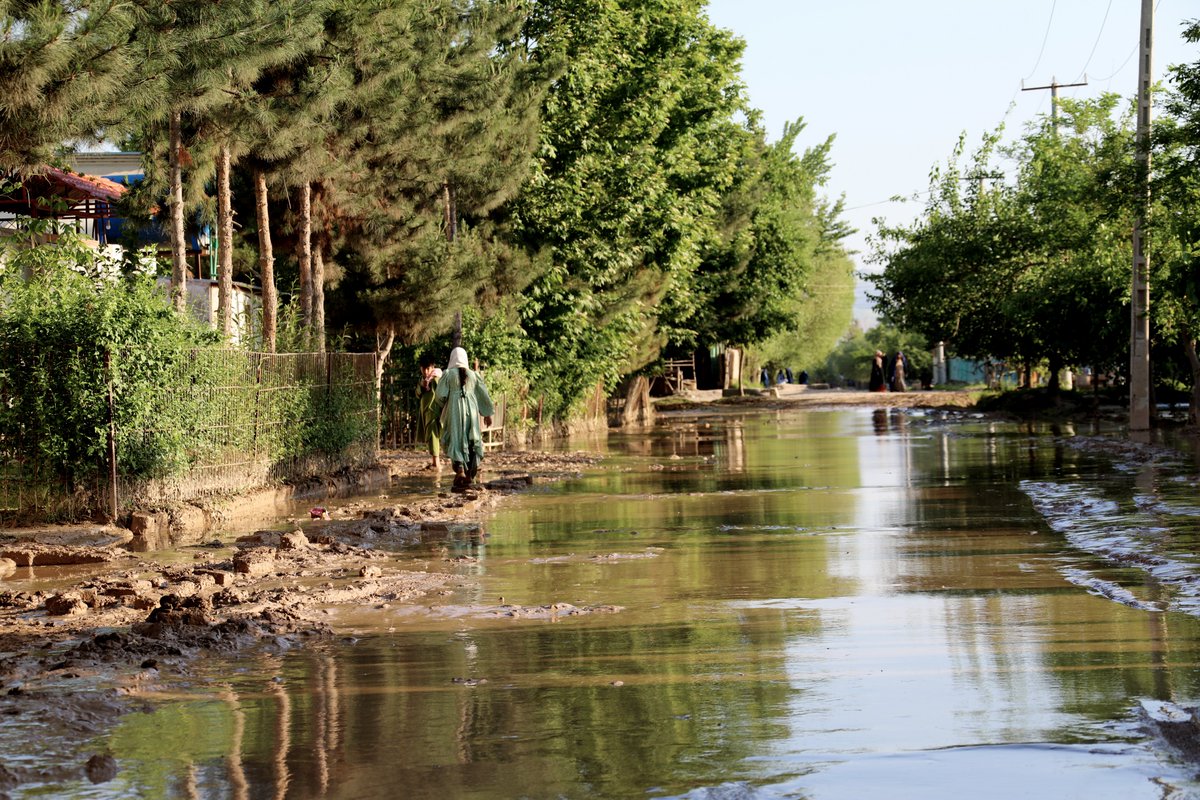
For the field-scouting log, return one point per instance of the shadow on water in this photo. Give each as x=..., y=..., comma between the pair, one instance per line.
x=816, y=604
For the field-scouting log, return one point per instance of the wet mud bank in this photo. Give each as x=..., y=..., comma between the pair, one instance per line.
x=89, y=626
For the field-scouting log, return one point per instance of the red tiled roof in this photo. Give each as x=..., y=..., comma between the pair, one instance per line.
x=90, y=185
x=65, y=195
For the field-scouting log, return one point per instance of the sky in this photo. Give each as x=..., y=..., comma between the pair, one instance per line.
x=899, y=82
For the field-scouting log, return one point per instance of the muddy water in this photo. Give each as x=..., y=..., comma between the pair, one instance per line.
x=821, y=604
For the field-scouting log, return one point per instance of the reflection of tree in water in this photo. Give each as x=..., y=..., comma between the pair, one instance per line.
x=409, y=713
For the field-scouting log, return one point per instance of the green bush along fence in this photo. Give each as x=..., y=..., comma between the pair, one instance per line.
x=209, y=422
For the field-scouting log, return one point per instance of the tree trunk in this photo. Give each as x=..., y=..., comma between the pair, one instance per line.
x=383, y=347
x=224, y=243
x=266, y=261
x=304, y=256
x=1194, y=361
x=178, y=242
x=1056, y=366
x=318, y=294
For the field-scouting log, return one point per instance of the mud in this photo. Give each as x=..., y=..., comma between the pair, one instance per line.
x=75, y=653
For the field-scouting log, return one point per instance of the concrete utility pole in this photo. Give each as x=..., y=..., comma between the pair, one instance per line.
x=1139, y=342
x=1053, y=86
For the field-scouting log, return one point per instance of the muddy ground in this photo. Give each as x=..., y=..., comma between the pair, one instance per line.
x=86, y=624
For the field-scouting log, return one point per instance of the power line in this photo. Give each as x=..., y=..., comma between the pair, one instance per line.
x=889, y=200
x=1131, y=52
x=1045, y=38
x=1103, y=22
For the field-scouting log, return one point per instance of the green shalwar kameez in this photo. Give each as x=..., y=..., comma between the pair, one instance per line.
x=429, y=421
x=465, y=402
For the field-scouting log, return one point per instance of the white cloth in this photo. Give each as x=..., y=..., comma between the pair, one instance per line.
x=458, y=358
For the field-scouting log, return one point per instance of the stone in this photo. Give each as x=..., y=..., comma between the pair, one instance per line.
x=45, y=555
x=149, y=530
x=101, y=768
x=370, y=571
x=256, y=562
x=220, y=577
x=295, y=540
x=65, y=605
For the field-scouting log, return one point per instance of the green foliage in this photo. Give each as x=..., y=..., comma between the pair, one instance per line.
x=638, y=145
x=755, y=277
x=180, y=402
x=55, y=333
x=1029, y=272
x=851, y=359
x=1175, y=217
x=63, y=65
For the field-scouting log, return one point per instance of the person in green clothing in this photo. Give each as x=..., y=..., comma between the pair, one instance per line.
x=466, y=398
x=429, y=410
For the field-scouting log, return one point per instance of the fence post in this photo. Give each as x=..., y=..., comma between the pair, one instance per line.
x=112, y=440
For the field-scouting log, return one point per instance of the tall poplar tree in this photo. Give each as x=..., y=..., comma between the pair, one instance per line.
x=637, y=151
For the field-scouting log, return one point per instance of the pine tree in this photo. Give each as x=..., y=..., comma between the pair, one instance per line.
x=196, y=58
x=445, y=104
x=62, y=69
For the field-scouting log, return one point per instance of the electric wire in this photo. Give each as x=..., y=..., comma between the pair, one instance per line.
x=1045, y=38
x=1131, y=53
x=1103, y=22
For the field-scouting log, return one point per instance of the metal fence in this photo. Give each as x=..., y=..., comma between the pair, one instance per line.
x=219, y=421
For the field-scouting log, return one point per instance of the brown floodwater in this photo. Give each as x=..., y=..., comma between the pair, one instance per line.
x=813, y=604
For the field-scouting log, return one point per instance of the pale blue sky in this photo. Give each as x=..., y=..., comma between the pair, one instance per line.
x=897, y=82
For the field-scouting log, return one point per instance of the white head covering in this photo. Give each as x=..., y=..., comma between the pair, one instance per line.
x=458, y=358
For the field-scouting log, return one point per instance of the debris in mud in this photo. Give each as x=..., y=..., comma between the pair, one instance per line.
x=133, y=621
x=553, y=611
x=649, y=552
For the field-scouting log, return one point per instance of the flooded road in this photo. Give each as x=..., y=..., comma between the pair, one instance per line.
x=811, y=604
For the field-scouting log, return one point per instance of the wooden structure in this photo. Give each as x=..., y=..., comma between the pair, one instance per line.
x=493, y=435
x=679, y=374
x=58, y=194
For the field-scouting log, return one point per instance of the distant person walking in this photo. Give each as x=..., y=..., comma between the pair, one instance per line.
x=878, y=381
x=466, y=398
x=898, y=372
x=765, y=377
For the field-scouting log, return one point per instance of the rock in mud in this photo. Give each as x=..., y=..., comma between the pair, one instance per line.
x=66, y=605
x=295, y=540
x=257, y=562
x=47, y=555
x=100, y=768
x=220, y=577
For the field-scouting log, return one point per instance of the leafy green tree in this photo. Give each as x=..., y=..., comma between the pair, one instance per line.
x=1030, y=272
x=194, y=58
x=1175, y=221
x=754, y=281
x=637, y=151
x=439, y=131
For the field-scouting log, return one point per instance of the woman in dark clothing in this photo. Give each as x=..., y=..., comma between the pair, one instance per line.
x=878, y=380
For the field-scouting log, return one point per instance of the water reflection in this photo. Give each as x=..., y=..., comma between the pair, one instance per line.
x=823, y=604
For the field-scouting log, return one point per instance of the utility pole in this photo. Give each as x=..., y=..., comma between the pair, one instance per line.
x=1053, y=86
x=1139, y=341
